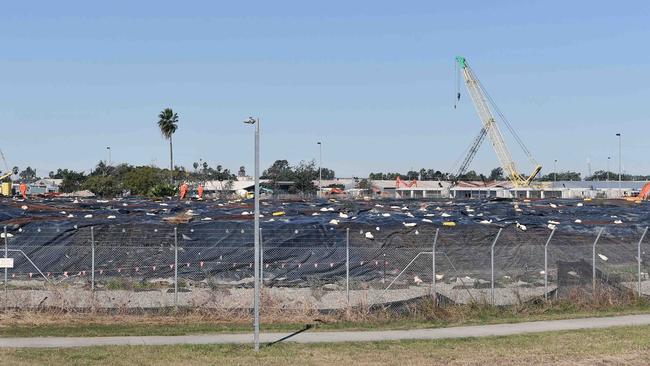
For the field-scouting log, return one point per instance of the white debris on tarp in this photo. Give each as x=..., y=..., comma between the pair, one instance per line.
x=579, y=204
x=315, y=214
x=89, y=216
x=70, y=216
x=429, y=215
x=578, y=221
x=618, y=222
x=409, y=224
x=378, y=205
x=245, y=213
x=553, y=205
x=369, y=235
x=206, y=219
x=553, y=222
x=343, y=215
x=551, y=226
x=164, y=204
x=9, y=235
x=150, y=214
x=603, y=257
x=386, y=214
x=521, y=227
x=24, y=207
x=444, y=214
x=110, y=217
x=334, y=222
x=409, y=214
x=427, y=220
x=185, y=237
x=486, y=221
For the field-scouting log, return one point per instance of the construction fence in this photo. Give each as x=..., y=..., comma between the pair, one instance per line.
x=316, y=267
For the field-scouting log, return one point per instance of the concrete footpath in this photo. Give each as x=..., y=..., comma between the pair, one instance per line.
x=329, y=337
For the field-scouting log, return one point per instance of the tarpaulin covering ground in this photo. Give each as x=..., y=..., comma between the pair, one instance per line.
x=306, y=239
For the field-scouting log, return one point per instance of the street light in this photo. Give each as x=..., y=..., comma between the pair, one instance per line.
x=320, y=171
x=256, y=266
x=109, y=155
x=608, y=159
x=555, y=171
x=620, y=188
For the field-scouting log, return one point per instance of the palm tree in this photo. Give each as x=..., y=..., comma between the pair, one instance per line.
x=168, y=124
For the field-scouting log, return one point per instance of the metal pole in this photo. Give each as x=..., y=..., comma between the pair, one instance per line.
x=347, y=264
x=92, y=259
x=620, y=159
x=638, y=259
x=175, y=267
x=555, y=171
x=492, y=263
x=257, y=237
x=261, y=260
x=593, y=270
x=608, y=158
x=546, y=263
x=320, y=167
x=433, y=267
x=6, y=269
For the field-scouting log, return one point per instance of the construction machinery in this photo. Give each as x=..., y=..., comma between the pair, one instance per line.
x=5, y=187
x=486, y=108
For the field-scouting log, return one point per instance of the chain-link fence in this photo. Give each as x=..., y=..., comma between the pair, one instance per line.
x=316, y=267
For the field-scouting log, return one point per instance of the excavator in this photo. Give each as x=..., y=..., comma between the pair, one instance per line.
x=485, y=107
x=643, y=194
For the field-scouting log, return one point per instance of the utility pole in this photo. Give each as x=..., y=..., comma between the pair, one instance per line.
x=620, y=185
x=608, y=159
x=555, y=171
x=256, y=266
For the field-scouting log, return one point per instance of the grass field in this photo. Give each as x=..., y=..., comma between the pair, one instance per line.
x=625, y=345
x=34, y=324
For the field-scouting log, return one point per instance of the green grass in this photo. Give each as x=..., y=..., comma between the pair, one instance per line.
x=625, y=345
x=46, y=325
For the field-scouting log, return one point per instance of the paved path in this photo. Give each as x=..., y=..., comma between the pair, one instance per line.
x=322, y=337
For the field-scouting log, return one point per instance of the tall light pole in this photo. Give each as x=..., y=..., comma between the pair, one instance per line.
x=620, y=185
x=555, y=170
x=320, y=169
x=256, y=266
x=109, y=155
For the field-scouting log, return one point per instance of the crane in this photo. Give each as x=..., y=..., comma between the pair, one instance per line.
x=490, y=128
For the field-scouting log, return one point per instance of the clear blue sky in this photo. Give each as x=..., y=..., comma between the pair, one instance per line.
x=374, y=80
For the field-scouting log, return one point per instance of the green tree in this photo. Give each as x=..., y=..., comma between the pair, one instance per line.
x=103, y=186
x=140, y=180
x=168, y=124
x=28, y=174
x=496, y=174
x=72, y=181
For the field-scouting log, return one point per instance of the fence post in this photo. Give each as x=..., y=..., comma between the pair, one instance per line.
x=638, y=259
x=593, y=262
x=546, y=264
x=6, y=269
x=433, y=268
x=347, y=264
x=92, y=260
x=492, y=264
x=176, y=267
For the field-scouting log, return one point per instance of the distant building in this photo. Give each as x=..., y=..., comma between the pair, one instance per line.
x=45, y=186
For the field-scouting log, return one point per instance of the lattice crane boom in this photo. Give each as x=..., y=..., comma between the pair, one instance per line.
x=480, y=99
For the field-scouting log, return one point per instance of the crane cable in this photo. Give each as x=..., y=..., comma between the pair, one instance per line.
x=506, y=122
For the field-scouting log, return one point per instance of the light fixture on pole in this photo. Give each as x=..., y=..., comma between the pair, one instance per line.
x=608, y=159
x=320, y=170
x=256, y=266
x=109, y=155
x=620, y=185
x=555, y=171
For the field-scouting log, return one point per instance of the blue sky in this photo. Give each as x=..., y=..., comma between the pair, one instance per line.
x=373, y=80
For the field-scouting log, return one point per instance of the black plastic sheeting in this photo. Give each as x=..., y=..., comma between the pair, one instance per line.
x=132, y=237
